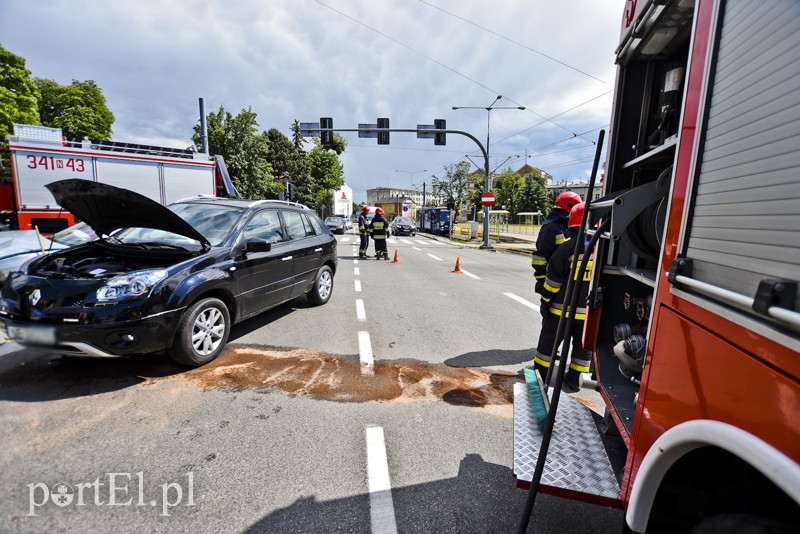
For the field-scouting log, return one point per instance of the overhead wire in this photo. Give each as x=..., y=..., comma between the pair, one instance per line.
x=454, y=71
x=484, y=86
x=551, y=58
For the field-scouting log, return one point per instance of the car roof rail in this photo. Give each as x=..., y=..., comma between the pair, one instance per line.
x=274, y=201
x=195, y=197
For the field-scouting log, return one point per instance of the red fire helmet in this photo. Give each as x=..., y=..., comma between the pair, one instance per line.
x=576, y=214
x=567, y=199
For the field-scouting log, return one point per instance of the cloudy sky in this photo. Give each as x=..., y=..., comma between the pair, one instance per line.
x=352, y=60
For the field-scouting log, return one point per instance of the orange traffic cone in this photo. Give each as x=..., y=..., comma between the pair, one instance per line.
x=458, y=266
x=396, y=257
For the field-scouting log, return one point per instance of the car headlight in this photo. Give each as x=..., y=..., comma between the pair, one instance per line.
x=133, y=284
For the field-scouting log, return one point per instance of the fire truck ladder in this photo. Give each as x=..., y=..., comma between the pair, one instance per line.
x=581, y=467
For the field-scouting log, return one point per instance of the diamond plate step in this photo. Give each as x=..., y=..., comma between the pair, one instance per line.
x=577, y=464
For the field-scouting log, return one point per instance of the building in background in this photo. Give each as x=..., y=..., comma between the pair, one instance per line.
x=578, y=186
x=398, y=201
x=343, y=201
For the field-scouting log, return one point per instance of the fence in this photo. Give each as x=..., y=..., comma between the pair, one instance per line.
x=470, y=230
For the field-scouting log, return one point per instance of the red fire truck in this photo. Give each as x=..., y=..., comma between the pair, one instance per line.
x=38, y=155
x=693, y=313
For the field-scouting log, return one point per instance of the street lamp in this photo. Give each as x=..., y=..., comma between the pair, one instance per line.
x=488, y=109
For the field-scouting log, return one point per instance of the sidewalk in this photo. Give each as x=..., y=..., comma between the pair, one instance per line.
x=509, y=242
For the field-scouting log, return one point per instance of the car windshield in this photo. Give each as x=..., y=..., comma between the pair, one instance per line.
x=214, y=222
x=403, y=220
x=335, y=220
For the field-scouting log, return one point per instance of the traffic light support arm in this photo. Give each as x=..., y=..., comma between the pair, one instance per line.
x=486, y=188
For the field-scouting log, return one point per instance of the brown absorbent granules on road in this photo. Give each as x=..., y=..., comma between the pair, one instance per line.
x=338, y=378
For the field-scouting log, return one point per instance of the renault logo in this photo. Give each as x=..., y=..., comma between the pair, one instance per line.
x=34, y=297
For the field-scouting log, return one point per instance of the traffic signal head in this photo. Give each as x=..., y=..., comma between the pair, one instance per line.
x=326, y=130
x=440, y=138
x=383, y=137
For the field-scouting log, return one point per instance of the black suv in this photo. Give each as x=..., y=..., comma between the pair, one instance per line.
x=404, y=226
x=159, y=278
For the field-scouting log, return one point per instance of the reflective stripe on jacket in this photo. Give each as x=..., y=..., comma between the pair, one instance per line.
x=378, y=227
x=555, y=283
x=551, y=235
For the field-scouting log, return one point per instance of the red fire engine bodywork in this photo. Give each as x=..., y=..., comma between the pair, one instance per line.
x=703, y=361
x=38, y=155
x=694, y=305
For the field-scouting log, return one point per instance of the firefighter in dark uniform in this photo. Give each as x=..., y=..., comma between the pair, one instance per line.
x=378, y=229
x=551, y=235
x=363, y=232
x=554, y=305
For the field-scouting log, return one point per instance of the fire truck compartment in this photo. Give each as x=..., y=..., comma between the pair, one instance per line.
x=625, y=302
x=578, y=463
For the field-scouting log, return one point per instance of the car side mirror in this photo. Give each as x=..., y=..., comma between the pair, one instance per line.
x=257, y=245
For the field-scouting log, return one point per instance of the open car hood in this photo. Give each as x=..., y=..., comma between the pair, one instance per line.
x=106, y=208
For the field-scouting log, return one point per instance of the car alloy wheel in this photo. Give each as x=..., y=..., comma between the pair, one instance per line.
x=202, y=333
x=323, y=286
x=207, y=331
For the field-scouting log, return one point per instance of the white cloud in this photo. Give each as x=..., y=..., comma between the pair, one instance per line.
x=298, y=59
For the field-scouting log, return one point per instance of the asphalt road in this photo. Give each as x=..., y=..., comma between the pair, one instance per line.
x=392, y=414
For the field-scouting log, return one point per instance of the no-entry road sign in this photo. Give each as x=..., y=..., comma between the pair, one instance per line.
x=487, y=199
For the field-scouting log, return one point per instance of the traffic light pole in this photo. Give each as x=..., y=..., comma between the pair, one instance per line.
x=485, y=245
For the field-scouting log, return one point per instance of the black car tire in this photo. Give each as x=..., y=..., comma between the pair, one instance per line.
x=322, y=290
x=211, y=338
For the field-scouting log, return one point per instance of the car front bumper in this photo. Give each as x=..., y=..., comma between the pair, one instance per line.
x=404, y=231
x=106, y=340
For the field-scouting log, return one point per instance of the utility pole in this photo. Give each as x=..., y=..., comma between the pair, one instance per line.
x=487, y=186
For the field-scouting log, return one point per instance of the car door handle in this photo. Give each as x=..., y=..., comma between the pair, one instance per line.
x=286, y=258
x=318, y=249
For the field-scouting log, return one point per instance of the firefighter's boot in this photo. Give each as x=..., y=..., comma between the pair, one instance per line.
x=572, y=381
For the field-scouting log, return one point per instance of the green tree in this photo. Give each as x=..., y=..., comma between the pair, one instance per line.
x=479, y=181
x=533, y=196
x=79, y=109
x=245, y=151
x=19, y=95
x=326, y=173
x=287, y=160
x=455, y=185
x=297, y=138
x=507, y=190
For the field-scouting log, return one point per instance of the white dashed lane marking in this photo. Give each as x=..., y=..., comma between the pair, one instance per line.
x=361, y=314
x=358, y=286
x=381, y=504
x=522, y=301
x=365, y=352
x=435, y=257
x=470, y=274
